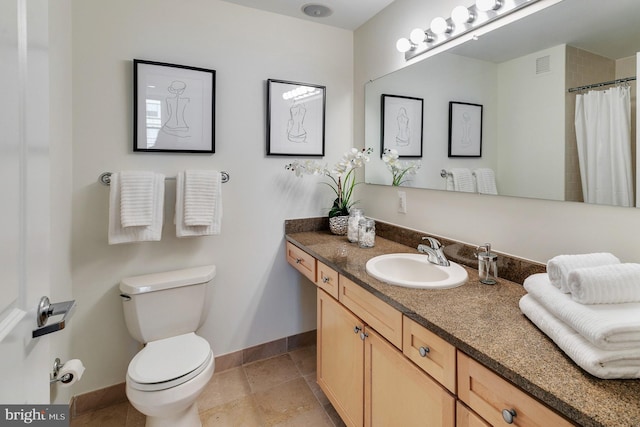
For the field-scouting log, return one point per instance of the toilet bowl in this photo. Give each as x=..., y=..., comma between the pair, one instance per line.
x=165, y=378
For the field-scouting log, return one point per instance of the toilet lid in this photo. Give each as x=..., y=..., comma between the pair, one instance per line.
x=175, y=360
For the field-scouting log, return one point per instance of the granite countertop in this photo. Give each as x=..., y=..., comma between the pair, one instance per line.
x=486, y=323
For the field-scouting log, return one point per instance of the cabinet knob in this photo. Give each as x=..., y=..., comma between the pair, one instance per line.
x=325, y=279
x=363, y=335
x=298, y=260
x=356, y=329
x=508, y=415
x=424, y=351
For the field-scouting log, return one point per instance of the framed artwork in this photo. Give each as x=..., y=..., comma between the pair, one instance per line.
x=295, y=118
x=173, y=108
x=401, y=125
x=465, y=129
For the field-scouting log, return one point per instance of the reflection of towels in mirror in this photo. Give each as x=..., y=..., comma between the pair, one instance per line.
x=485, y=181
x=462, y=180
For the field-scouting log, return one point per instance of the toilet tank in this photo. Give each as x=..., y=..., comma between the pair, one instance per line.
x=163, y=305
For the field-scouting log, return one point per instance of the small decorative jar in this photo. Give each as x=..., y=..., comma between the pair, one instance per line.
x=366, y=233
x=355, y=215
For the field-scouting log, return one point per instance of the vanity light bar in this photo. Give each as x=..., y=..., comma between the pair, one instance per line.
x=478, y=15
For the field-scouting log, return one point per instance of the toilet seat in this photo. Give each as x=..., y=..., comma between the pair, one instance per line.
x=169, y=362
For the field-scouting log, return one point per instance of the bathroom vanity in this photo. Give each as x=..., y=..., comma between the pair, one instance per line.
x=455, y=357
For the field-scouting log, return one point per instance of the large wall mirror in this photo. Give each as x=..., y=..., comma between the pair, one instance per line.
x=520, y=75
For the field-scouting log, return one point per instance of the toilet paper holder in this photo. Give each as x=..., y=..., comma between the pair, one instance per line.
x=57, y=365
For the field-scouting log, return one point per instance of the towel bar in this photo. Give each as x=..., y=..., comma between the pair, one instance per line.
x=105, y=177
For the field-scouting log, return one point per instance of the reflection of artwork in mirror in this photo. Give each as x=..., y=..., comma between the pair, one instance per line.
x=295, y=118
x=401, y=127
x=173, y=108
x=465, y=129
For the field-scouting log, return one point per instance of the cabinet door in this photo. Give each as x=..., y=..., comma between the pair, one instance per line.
x=398, y=393
x=340, y=364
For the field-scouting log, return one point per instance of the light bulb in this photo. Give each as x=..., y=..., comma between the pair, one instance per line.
x=440, y=25
x=417, y=35
x=461, y=15
x=487, y=5
x=403, y=45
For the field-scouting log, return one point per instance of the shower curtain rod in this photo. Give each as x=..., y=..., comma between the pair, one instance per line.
x=612, y=82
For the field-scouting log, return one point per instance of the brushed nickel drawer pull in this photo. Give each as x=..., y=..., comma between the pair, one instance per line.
x=356, y=329
x=424, y=351
x=325, y=279
x=508, y=415
x=298, y=260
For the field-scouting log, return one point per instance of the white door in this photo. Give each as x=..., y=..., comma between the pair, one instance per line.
x=24, y=190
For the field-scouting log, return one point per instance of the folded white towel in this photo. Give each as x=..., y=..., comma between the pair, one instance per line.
x=606, y=364
x=119, y=234
x=485, y=181
x=136, y=198
x=183, y=230
x=560, y=266
x=462, y=180
x=606, y=284
x=608, y=326
x=201, y=195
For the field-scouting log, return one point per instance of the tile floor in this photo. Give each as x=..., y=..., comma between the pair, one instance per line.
x=279, y=391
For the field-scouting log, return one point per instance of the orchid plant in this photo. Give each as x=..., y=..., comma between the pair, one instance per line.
x=342, y=176
x=399, y=169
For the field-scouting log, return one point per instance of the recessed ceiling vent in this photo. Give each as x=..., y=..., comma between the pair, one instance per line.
x=316, y=10
x=543, y=65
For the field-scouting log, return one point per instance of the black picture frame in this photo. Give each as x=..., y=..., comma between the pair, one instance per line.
x=401, y=125
x=465, y=129
x=295, y=118
x=173, y=108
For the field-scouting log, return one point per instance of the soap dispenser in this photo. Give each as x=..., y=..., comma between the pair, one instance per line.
x=487, y=264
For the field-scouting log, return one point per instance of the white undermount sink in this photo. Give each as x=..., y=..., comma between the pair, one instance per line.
x=415, y=271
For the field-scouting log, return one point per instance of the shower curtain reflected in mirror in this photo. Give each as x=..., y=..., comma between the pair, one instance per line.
x=603, y=131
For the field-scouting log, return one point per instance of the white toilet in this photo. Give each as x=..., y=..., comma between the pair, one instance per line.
x=163, y=311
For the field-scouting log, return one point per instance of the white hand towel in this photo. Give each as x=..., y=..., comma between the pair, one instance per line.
x=560, y=266
x=486, y=181
x=605, y=364
x=136, y=198
x=608, y=326
x=183, y=230
x=606, y=284
x=119, y=234
x=201, y=195
x=462, y=180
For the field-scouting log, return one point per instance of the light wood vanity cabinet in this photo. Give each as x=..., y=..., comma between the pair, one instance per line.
x=368, y=380
x=380, y=368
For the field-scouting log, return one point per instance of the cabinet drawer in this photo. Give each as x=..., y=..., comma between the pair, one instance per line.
x=465, y=417
x=301, y=261
x=385, y=319
x=327, y=279
x=430, y=352
x=489, y=395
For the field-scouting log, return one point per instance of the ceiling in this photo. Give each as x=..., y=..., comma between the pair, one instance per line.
x=347, y=14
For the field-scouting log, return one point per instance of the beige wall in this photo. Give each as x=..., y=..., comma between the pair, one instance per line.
x=256, y=296
x=533, y=229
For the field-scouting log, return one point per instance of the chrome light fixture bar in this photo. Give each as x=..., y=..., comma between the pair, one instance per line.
x=463, y=20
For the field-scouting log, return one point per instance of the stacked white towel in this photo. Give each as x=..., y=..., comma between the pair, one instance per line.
x=605, y=284
x=560, y=266
x=600, y=363
x=462, y=180
x=485, y=181
x=135, y=207
x=198, y=203
x=603, y=339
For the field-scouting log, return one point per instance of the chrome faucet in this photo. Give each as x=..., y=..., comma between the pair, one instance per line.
x=434, y=252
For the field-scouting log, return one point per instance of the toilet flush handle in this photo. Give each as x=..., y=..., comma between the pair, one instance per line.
x=125, y=297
